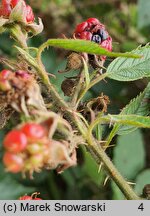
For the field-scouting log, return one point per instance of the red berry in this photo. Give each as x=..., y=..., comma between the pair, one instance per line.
x=4, y=74
x=86, y=35
x=14, y=163
x=15, y=141
x=37, y=199
x=33, y=131
x=13, y=3
x=81, y=27
x=93, y=21
x=107, y=44
x=5, y=9
x=25, y=198
x=29, y=14
x=4, y=83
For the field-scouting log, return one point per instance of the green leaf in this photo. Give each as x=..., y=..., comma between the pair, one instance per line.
x=10, y=188
x=143, y=13
x=141, y=180
x=128, y=165
x=135, y=120
x=139, y=106
x=127, y=120
x=84, y=46
x=123, y=69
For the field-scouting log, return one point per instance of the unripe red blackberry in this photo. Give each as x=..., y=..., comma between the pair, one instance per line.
x=33, y=131
x=15, y=141
x=13, y=163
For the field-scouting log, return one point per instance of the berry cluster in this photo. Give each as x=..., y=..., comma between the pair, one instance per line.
x=30, y=149
x=26, y=148
x=8, y=5
x=32, y=197
x=8, y=79
x=92, y=29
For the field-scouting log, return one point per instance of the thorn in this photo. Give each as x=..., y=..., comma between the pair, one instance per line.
x=108, y=146
x=131, y=183
x=74, y=37
x=102, y=141
x=64, y=36
x=100, y=167
x=111, y=146
x=106, y=179
x=52, y=75
x=111, y=122
x=84, y=143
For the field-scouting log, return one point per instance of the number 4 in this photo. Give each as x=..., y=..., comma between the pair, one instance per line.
x=141, y=207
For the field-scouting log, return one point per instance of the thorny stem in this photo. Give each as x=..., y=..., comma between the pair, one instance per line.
x=96, y=151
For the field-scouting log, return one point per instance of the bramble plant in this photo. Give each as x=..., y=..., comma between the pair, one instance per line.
x=49, y=129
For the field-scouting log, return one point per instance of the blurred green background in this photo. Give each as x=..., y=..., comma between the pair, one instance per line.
x=128, y=22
